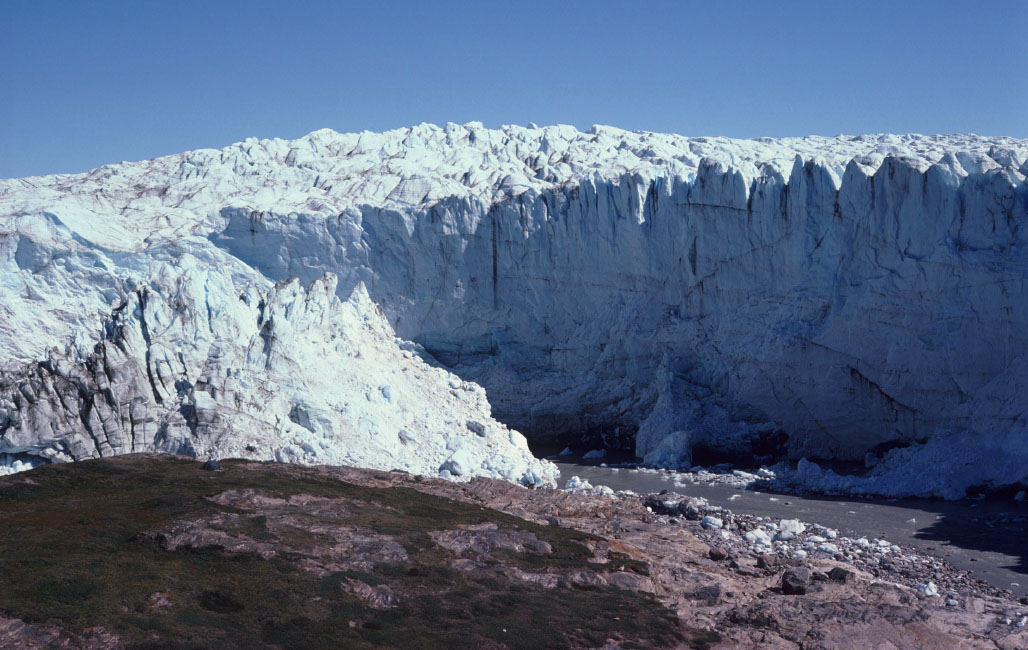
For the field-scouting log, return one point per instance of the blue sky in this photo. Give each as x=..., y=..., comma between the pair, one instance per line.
x=87, y=83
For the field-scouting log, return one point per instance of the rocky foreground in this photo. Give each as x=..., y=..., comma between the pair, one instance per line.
x=151, y=551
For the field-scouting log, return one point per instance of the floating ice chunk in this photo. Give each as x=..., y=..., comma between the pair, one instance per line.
x=576, y=483
x=595, y=454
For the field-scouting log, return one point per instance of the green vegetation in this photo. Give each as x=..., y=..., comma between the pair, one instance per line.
x=73, y=553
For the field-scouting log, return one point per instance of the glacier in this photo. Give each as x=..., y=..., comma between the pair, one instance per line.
x=855, y=297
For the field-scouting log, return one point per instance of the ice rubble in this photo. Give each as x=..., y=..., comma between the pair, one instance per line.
x=943, y=466
x=819, y=296
x=192, y=363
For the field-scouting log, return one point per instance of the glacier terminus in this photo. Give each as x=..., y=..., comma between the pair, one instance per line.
x=420, y=298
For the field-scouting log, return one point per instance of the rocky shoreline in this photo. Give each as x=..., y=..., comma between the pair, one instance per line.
x=284, y=556
x=790, y=542
x=798, y=558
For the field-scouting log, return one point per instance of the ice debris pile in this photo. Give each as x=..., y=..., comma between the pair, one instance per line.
x=192, y=362
x=820, y=297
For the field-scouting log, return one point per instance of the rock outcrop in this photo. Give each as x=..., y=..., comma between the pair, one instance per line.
x=263, y=555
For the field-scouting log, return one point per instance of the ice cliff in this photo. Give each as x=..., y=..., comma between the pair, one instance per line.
x=821, y=297
x=203, y=357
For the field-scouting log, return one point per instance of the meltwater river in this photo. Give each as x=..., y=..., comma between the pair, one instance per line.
x=987, y=537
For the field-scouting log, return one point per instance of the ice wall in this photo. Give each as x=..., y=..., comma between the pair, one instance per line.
x=846, y=312
x=820, y=297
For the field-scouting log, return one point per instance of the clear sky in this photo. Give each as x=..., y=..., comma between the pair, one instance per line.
x=87, y=83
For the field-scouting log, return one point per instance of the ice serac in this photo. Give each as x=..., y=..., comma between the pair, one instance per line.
x=821, y=297
x=190, y=363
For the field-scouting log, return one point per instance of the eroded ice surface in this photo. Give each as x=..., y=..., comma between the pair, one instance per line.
x=192, y=361
x=815, y=296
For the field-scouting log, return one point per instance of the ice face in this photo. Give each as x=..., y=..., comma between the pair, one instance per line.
x=191, y=363
x=832, y=294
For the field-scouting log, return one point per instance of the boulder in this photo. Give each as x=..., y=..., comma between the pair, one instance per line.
x=796, y=581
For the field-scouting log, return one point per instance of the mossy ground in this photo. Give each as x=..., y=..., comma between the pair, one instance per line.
x=72, y=554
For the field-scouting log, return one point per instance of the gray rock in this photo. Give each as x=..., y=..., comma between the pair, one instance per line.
x=839, y=574
x=709, y=594
x=796, y=581
x=630, y=581
x=588, y=578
